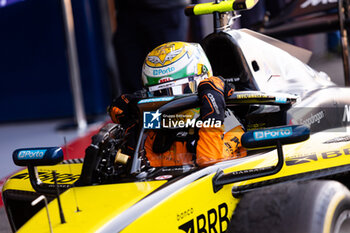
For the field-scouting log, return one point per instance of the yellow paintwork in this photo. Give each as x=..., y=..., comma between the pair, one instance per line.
x=98, y=204
x=191, y=207
x=224, y=6
x=66, y=174
x=314, y=145
x=191, y=203
x=200, y=196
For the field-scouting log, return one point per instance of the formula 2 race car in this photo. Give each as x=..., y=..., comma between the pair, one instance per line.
x=295, y=176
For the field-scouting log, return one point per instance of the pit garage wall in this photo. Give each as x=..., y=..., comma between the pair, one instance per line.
x=33, y=63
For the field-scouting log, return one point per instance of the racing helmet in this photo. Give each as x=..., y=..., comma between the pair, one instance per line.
x=175, y=68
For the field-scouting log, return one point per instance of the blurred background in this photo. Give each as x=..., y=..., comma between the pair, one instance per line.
x=60, y=67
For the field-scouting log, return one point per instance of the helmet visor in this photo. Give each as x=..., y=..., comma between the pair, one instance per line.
x=182, y=86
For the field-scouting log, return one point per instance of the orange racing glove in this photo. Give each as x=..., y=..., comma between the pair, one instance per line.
x=212, y=93
x=212, y=145
x=123, y=110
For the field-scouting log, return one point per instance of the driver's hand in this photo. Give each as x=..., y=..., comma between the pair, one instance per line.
x=123, y=109
x=229, y=89
x=212, y=93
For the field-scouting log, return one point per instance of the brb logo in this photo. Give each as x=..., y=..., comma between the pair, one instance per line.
x=214, y=220
x=273, y=133
x=151, y=120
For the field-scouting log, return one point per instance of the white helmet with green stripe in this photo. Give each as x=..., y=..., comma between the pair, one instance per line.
x=175, y=68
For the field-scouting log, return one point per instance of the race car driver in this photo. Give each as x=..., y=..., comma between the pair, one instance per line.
x=178, y=68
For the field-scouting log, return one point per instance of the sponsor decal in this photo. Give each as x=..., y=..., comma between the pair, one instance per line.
x=166, y=79
x=256, y=126
x=300, y=159
x=278, y=98
x=182, y=134
x=31, y=154
x=338, y=139
x=161, y=72
x=164, y=169
x=164, y=177
x=62, y=178
x=151, y=120
x=253, y=96
x=281, y=100
x=308, y=3
x=158, y=99
x=231, y=147
x=249, y=171
x=333, y=154
x=314, y=118
x=214, y=220
x=184, y=214
x=162, y=86
x=306, y=158
x=273, y=133
x=212, y=100
x=346, y=115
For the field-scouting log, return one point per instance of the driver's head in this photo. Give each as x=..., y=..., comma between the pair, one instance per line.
x=175, y=68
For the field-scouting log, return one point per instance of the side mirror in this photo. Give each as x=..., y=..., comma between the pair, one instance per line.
x=269, y=137
x=32, y=157
x=265, y=138
x=37, y=156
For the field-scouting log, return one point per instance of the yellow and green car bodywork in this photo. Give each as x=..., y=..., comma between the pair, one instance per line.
x=184, y=204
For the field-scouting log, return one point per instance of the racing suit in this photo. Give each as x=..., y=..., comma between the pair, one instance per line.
x=209, y=145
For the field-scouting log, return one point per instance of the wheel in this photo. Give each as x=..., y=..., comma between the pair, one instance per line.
x=296, y=207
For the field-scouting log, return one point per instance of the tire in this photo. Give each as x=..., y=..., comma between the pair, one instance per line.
x=296, y=207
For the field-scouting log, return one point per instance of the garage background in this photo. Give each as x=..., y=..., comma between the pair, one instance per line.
x=33, y=61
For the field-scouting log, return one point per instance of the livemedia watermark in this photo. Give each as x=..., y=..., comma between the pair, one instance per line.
x=157, y=120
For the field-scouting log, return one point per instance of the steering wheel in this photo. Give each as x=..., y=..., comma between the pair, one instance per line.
x=99, y=162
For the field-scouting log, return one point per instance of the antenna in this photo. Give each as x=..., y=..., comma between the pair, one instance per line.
x=58, y=198
x=39, y=199
x=216, y=19
x=70, y=169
